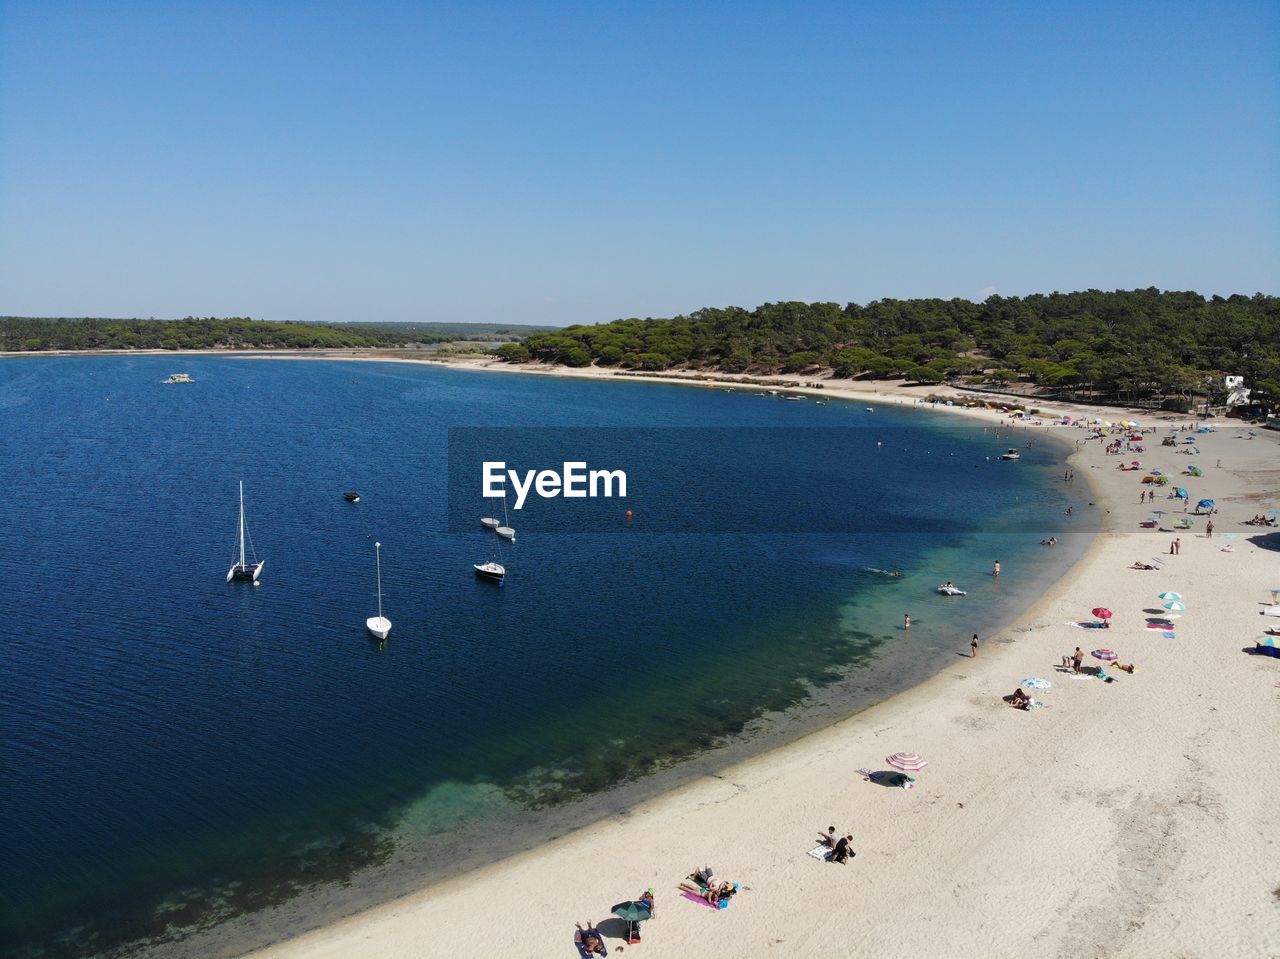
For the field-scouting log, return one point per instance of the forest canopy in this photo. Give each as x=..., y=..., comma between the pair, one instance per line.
x=1139, y=342
x=210, y=333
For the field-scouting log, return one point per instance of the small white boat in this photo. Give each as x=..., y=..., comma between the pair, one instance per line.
x=378, y=625
x=351, y=496
x=490, y=570
x=179, y=378
x=946, y=589
x=243, y=570
x=490, y=522
x=870, y=409
x=793, y=397
x=506, y=530
x=1011, y=454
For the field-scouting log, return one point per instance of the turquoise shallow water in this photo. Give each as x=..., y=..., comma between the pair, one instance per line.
x=179, y=752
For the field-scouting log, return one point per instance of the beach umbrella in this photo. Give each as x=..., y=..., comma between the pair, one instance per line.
x=1179, y=492
x=1035, y=682
x=632, y=911
x=1268, y=646
x=907, y=762
x=1170, y=595
x=1157, y=473
x=1102, y=612
x=1159, y=512
x=1136, y=463
x=1205, y=504
x=1273, y=512
x=1175, y=605
x=1106, y=655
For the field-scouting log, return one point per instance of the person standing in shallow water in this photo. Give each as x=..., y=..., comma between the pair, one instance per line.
x=906, y=620
x=996, y=569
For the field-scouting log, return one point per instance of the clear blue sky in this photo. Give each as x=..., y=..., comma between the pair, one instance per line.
x=557, y=162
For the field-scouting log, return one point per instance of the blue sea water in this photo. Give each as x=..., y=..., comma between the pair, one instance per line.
x=177, y=752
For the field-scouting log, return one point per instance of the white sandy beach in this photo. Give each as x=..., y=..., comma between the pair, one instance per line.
x=1136, y=818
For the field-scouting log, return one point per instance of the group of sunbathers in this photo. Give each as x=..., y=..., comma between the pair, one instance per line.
x=706, y=885
x=1261, y=520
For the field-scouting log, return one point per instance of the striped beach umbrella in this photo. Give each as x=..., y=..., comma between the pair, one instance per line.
x=907, y=762
x=1175, y=605
x=1106, y=655
x=1170, y=595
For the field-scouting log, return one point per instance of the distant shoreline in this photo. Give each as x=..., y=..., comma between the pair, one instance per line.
x=891, y=391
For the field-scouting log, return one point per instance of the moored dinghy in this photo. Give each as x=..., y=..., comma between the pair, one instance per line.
x=495, y=572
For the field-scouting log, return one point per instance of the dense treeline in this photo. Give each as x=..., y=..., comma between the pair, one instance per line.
x=457, y=332
x=209, y=333
x=1142, y=343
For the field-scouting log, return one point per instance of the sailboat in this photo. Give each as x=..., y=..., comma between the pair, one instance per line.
x=243, y=570
x=490, y=570
x=505, y=530
x=378, y=625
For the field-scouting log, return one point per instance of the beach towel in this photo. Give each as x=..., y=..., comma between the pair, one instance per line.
x=821, y=853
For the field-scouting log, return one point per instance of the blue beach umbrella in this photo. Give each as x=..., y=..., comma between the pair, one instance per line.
x=1205, y=504
x=1174, y=605
x=1180, y=493
x=1170, y=595
x=1268, y=646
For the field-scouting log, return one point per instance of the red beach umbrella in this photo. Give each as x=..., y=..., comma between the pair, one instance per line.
x=907, y=762
x=1106, y=655
x=1102, y=612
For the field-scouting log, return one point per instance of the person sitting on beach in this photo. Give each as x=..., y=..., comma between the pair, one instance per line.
x=830, y=838
x=1138, y=565
x=841, y=852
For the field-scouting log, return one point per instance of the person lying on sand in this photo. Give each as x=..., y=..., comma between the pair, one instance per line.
x=589, y=941
x=1138, y=565
x=1017, y=699
x=708, y=886
x=1128, y=669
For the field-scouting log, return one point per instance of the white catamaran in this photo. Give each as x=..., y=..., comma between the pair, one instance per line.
x=243, y=570
x=378, y=625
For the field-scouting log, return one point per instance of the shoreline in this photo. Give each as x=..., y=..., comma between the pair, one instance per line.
x=443, y=911
x=897, y=392
x=554, y=868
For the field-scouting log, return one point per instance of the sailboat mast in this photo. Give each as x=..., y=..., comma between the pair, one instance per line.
x=377, y=547
x=242, y=524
